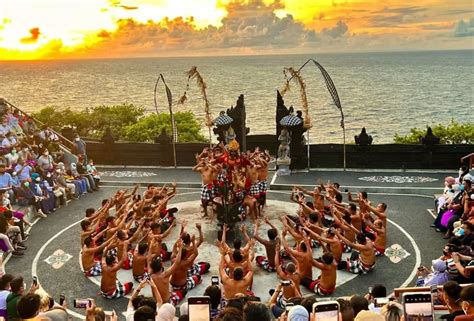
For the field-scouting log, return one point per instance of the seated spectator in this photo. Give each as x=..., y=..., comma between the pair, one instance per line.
x=215, y=295
x=452, y=298
x=467, y=302
x=83, y=172
x=359, y=303
x=145, y=313
x=4, y=292
x=6, y=182
x=23, y=170
x=51, y=311
x=437, y=275
x=91, y=169
x=392, y=311
x=296, y=313
x=46, y=198
x=363, y=139
x=18, y=292
x=347, y=312
x=28, y=307
x=26, y=197
x=45, y=161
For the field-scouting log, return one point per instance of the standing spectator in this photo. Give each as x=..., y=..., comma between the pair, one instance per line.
x=79, y=147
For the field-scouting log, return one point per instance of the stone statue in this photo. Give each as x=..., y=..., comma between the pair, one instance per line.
x=284, y=148
x=229, y=135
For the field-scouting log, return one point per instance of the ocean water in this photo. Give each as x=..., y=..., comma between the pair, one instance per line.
x=387, y=93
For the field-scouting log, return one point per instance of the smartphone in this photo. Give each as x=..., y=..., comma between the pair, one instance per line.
x=199, y=308
x=82, y=303
x=380, y=302
x=370, y=290
x=35, y=281
x=285, y=282
x=418, y=306
x=61, y=299
x=214, y=280
x=326, y=311
x=288, y=307
x=435, y=295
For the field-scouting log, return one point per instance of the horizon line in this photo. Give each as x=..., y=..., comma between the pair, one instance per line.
x=237, y=55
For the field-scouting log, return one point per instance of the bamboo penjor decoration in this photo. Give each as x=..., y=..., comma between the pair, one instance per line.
x=193, y=73
x=291, y=74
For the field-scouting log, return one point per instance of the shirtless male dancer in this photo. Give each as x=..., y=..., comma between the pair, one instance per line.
x=110, y=286
x=90, y=266
x=271, y=246
x=162, y=277
x=365, y=261
x=303, y=255
x=288, y=274
x=238, y=283
x=208, y=175
x=325, y=284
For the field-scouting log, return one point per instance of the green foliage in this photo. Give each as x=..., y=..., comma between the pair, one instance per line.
x=126, y=121
x=453, y=133
x=147, y=128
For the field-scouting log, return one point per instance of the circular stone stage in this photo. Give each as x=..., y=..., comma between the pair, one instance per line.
x=56, y=259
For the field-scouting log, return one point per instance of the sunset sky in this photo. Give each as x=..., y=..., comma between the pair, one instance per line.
x=57, y=29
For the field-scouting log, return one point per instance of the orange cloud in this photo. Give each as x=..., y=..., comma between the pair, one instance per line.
x=33, y=38
x=106, y=28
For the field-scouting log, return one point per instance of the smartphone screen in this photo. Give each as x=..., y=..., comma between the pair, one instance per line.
x=418, y=307
x=81, y=303
x=199, y=308
x=380, y=302
x=326, y=311
x=214, y=280
x=35, y=280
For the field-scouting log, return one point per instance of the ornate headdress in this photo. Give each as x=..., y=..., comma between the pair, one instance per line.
x=233, y=146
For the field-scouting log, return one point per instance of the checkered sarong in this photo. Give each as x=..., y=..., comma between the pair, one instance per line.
x=191, y=283
x=222, y=177
x=120, y=290
x=95, y=270
x=142, y=277
x=207, y=193
x=316, y=287
x=198, y=268
x=262, y=262
x=357, y=267
x=263, y=186
x=176, y=297
x=254, y=189
x=239, y=195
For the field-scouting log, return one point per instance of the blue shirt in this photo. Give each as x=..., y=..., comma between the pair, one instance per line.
x=25, y=173
x=6, y=180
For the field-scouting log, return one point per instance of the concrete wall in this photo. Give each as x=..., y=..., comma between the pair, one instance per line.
x=321, y=155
